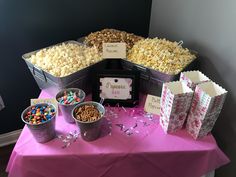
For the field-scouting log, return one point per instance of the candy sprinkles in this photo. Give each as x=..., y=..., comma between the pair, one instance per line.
x=69, y=98
x=39, y=114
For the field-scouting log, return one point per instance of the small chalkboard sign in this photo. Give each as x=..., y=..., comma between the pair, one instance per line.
x=116, y=87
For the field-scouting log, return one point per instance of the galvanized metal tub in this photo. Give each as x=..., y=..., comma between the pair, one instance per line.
x=151, y=80
x=66, y=109
x=90, y=131
x=51, y=84
x=45, y=131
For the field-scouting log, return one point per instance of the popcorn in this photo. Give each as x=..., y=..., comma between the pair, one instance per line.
x=65, y=59
x=160, y=54
x=111, y=35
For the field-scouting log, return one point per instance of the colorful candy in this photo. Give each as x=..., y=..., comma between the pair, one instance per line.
x=69, y=98
x=39, y=114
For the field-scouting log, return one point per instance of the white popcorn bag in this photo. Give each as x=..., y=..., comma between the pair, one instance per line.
x=176, y=99
x=206, y=106
x=193, y=78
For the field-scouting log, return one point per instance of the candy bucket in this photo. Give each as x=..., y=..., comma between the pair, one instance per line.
x=90, y=130
x=67, y=108
x=44, y=131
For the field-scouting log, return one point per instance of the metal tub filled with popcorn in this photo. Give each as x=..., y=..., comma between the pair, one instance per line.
x=96, y=39
x=88, y=117
x=159, y=61
x=40, y=120
x=64, y=65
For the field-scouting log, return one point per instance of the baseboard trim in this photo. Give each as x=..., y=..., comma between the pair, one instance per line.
x=9, y=138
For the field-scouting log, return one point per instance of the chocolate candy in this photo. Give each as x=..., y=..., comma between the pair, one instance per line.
x=87, y=113
x=69, y=98
x=39, y=114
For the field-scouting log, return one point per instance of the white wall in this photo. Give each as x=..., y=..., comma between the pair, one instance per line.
x=209, y=27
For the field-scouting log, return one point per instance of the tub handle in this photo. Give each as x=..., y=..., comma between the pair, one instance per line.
x=42, y=73
x=146, y=71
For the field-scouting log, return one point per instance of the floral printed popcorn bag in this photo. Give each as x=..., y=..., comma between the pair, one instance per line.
x=175, y=102
x=207, y=103
x=193, y=78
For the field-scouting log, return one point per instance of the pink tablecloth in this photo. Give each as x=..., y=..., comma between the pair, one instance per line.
x=146, y=154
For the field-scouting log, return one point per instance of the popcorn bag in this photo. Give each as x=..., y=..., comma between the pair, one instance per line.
x=175, y=103
x=207, y=103
x=193, y=78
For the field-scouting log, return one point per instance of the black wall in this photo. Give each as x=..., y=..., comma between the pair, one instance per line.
x=27, y=25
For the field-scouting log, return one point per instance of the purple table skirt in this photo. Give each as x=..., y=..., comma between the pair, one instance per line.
x=147, y=153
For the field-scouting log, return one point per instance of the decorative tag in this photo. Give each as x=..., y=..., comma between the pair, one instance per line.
x=45, y=100
x=152, y=104
x=114, y=50
x=115, y=88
